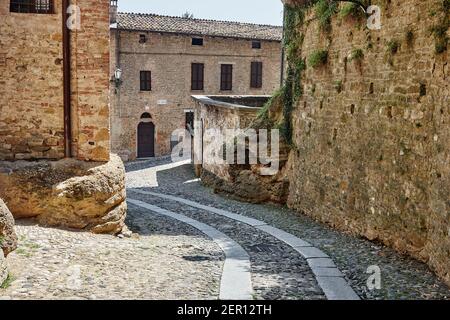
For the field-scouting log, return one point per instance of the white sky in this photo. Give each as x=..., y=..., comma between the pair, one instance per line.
x=254, y=11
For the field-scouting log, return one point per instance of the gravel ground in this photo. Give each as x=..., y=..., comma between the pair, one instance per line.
x=163, y=262
x=402, y=276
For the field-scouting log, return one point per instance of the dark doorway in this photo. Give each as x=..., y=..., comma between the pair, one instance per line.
x=190, y=121
x=146, y=140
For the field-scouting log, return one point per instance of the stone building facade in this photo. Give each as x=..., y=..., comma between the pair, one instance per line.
x=166, y=48
x=54, y=113
x=32, y=95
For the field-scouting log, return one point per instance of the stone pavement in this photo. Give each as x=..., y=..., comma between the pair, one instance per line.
x=278, y=271
x=185, y=250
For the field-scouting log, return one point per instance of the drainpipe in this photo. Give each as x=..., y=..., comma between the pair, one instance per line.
x=66, y=81
x=282, y=48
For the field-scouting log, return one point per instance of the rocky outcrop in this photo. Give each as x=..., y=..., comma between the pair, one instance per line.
x=67, y=193
x=8, y=237
x=3, y=269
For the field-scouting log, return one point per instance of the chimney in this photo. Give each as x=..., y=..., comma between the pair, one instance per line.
x=113, y=11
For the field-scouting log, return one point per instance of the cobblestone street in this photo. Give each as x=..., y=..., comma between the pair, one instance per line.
x=189, y=243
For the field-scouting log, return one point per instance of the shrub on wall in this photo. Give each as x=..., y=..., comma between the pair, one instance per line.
x=318, y=58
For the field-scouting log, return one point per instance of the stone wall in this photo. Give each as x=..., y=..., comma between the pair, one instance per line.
x=169, y=58
x=243, y=181
x=31, y=90
x=372, y=133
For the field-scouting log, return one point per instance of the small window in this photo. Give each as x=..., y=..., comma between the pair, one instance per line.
x=197, y=41
x=256, y=44
x=142, y=38
x=256, y=75
x=197, y=76
x=226, y=77
x=146, y=80
x=32, y=6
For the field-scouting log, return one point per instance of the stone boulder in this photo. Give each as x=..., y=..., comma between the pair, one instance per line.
x=67, y=193
x=3, y=269
x=8, y=237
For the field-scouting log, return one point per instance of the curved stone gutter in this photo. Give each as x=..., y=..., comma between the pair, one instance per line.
x=329, y=277
x=236, y=277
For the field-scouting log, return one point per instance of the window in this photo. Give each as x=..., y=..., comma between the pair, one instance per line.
x=256, y=44
x=142, y=38
x=197, y=41
x=226, y=77
x=197, y=76
x=256, y=75
x=146, y=80
x=32, y=6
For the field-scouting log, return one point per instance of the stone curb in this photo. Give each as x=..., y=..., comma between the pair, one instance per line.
x=329, y=277
x=236, y=276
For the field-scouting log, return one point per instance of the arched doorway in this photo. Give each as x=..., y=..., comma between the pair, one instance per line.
x=146, y=137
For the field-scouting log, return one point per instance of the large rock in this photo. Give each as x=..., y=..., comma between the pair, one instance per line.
x=8, y=237
x=3, y=269
x=67, y=193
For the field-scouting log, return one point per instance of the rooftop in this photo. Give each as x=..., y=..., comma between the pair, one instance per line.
x=197, y=27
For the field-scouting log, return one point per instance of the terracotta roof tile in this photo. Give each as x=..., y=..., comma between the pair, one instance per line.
x=200, y=27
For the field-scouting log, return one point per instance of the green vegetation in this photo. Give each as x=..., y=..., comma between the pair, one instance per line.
x=393, y=46
x=357, y=55
x=352, y=10
x=324, y=10
x=439, y=30
x=338, y=85
x=7, y=283
x=318, y=58
x=263, y=114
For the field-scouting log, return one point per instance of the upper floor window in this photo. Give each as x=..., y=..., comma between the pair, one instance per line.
x=32, y=6
x=197, y=41
x=142, y=38
x=256, y=75
x=146, y=80
x=256, y=44
x=226, y=77
x=197, y=76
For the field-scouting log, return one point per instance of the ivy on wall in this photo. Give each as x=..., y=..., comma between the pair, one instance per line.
x=290, y=93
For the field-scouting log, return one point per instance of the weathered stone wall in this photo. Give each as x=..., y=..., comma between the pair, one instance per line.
x=373, y=134
x=169, y=58
x=241, y=181
x=221, y=118
x=31, y=89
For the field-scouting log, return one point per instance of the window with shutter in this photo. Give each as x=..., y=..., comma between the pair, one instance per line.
x=146, y=80
x=226, y=77
x=256, y=75
x=197, y=76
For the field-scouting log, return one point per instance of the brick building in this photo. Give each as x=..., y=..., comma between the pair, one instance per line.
x=165, y=60
x=33, y=92
x=54, y=110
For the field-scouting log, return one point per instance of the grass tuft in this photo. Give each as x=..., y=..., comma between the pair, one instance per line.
x=318, y=58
